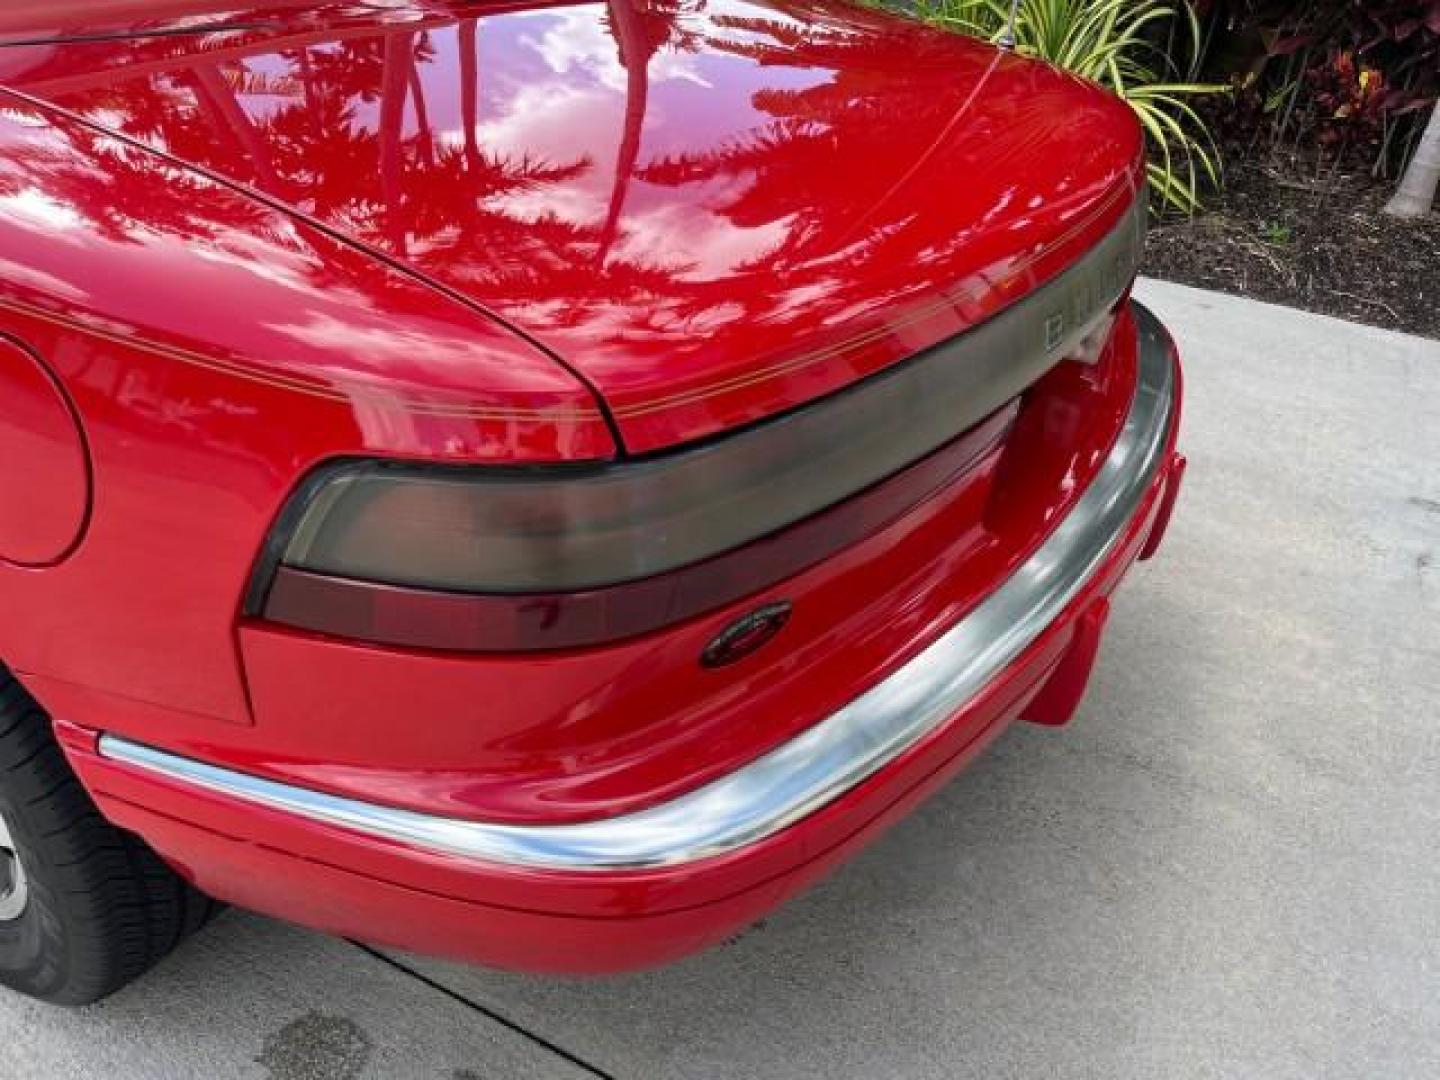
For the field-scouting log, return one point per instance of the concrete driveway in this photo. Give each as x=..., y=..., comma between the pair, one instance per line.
x=1229, y=865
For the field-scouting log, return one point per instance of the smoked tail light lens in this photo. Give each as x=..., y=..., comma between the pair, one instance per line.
x=482, y=531
x=480, y=562
x=481, y=559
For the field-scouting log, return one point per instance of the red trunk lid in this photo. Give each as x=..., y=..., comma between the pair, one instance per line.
x=712, y=212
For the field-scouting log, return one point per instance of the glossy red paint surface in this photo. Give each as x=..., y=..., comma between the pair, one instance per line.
x=589, y=733
x=40, y=435
x=1172, y=495
x=216, y=350
x=589, y=923
x=712, y=211
x=525, y=235
x=1058, y=699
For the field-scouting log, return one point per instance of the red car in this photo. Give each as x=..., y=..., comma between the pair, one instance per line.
x=537, y=483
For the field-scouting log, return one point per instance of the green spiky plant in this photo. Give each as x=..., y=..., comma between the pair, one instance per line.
x=1133, y=47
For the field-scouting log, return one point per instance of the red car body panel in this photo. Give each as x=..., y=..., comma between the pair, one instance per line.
x=639, y=721
x=713, y=213
x=176, y=312
x=582, y=924
x=525, y=236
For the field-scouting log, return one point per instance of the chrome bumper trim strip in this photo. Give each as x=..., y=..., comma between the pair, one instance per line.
x=826, y=760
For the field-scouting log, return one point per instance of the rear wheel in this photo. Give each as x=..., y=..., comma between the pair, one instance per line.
x=84, y=906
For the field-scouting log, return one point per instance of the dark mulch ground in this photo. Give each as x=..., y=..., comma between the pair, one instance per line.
x=1319, y=245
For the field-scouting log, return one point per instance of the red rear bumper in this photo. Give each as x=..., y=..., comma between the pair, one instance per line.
x=644, y=888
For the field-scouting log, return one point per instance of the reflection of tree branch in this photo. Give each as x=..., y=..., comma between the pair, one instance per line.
x=422, y=115
x=634, y=55
x=125, y=197
x=335, y=127
x=216, y=94
x=399, y=56
x=237, y=47
x=470, y=91
x=307, y=86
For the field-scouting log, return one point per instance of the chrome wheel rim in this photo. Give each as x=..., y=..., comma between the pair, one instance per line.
x=14, y=889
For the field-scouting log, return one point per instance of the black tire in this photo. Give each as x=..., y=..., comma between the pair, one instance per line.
x=91, y=906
